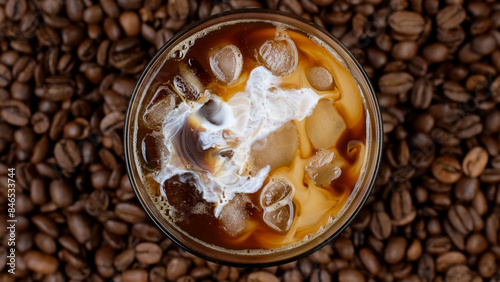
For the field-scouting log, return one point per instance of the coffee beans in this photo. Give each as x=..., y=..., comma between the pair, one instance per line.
x=67, y=71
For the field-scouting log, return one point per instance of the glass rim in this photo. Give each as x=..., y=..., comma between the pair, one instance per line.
x=375, y=118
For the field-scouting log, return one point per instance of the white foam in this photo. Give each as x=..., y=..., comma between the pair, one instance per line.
x=247, y=117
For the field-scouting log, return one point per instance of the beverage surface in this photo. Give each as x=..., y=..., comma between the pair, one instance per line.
x=252, y=136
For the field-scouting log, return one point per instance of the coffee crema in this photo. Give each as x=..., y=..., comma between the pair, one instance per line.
x=252, y=136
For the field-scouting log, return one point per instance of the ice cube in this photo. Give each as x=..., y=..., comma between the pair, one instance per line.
x=320, y=78
x=234, y=216
x=154, y=150
x=164, y=100
x=325, y=125
x=276, y=200
x=280, y=218
x=279, y=55
x=277, y=150
x=226, y=64
x=181, y=193
x=187, y=84
x=323, y=168
x=276, y=190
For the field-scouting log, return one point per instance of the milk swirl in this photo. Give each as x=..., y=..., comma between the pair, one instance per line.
x=246, y=117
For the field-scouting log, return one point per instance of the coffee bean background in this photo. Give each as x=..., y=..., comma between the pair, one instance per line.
x=67, y=69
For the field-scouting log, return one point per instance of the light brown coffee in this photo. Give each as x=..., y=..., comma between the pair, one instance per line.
x=252, y=136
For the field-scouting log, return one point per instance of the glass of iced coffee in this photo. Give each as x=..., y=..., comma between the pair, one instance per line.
x=253, y=138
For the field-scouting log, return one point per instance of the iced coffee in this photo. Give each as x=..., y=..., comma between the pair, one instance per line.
x=251, y=136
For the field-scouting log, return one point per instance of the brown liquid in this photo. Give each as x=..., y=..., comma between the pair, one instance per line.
x=313, y=206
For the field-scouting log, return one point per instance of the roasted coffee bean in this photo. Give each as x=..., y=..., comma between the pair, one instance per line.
x=401, y=207
x=127, y=54
x=406, y=23
x=490, y=175
x=380, y=225
x=405, y=50
x=344, y=248
x=396, y=83
x=77, y=129
x=130, y=23
x=178, y=267
x=487, y=265
x=455, y=236
x=45, y=243
x=455, y=92
x=395, y=250
x=438, y=245
x=79, y=226
x=460, y=219
x=476, y=244
x=130, y=212
x=39, y=262
x=319, y=275
x=449, y=259
x=421, y=95
x=110, y=7
x=414, y=250
x=45, y=225
x=147, y=232
x=148, y=253
x=67, y=154
x=492, y=227
x=135, y=275
x=124, y=259
x=15, y=112
x=349, y=275
x=466, y=188
x=418, y=66
x=436, y=52
x=104, y=261
x=376, y=58
x=370, y=261
x=459, y=273
x=484, y=44
x=447, y=169
x=61, y=193
x=450, y=17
